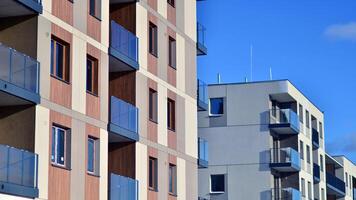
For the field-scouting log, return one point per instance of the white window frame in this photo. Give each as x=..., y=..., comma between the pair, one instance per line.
x=94, y=155
x=56, y=128
x=210, y=185
x=216, y=115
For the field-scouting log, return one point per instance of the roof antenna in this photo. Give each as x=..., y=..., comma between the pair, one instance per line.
x=270, y=74
x=219, y=78
x=251, y=63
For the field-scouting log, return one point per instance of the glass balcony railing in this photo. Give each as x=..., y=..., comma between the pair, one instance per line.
x=124, y=42
x=284, y=118
x=315, y=138
x=123, y=188
x=201, y=47
x=19, y=169
x=316, y=172
x=286, y=194
x=124, y=115
x=285, y=158
x=336, y=183
x=202, y=96
x=19, y=69
x=203, y=152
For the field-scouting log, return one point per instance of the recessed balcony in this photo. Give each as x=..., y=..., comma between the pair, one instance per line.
x=18, y=172
x=123, y=188
x=12, y=8
x=203, y=153
x=285, y=160
x=19, y=78
x=123, y=49
x=202, y=96
x=123, y=121
x=286, y=194
x=315, y=138
x=284, y=121
x=316, y=173
x=201, y=47
x=335, y=186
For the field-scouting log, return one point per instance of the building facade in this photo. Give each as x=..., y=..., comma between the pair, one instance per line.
x=265, y=141
x=98, y=99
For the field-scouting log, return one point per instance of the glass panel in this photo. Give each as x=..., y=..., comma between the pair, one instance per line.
x=216, y=106
x=4, y=63
x=29, y=169
x=124, y=41
x=218, y=183
x=123, y=188
x=3, y=163
x=124, y=114
x=59, y=60
x=15, y=166
x=91, y=155
x=18, y=72
x=31, y=75
x=89, y=75
x=60, y=146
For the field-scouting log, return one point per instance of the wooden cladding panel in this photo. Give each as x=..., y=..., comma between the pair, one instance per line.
x=171, y=14
x=122, y=159
x=63, y=9
x=125, y=15
x=153, y=4
x=123, y=86
x=92, y=183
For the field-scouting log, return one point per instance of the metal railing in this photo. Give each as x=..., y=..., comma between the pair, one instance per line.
x=123, y=188
x=124, y=41
x=335, y=182
x=202, y=92
x=285, y=155
x=18, y=166
x=203, y=151
x=123, y=114
x=201, y=34
x=284, y=116
x=285, y=194
x=19, y=69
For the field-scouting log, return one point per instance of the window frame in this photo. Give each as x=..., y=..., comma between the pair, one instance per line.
x=308, y=154
x=153, y=39
x=94, y=142
x=303, y=188
x=172, y=52
x=301, y=149
x=94, y=75
x=210, y=107
x=94, y=9
x=154, y=170
x=172, y=177
x=171, y=114
x=321, y=160
x=65, y=68
x=307, y=119
x=55, y=146
x=171, y=3
x=321, y=131
x=301, y=113
x=211, y=184
x=153, y=105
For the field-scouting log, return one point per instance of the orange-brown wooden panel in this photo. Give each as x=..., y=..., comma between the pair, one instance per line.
x=153, y=4
x=123, y=86
x=122, y=159
x=93, y=106
x=61, y=93
x=63, y=9
x=94, y=27
x=125, y=15
x=171, y=14
x=172, y=139
x=92, y=187
x=172, y=76
x=152, y=133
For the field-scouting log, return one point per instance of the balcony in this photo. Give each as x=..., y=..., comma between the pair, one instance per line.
x=123, y=121
x=123, y=49
x=201, y=48
x=202, y=96
x=286, y=194
x=316, y=173
x=123, y=188
x=285, y=160
x=335, y=186
x=203, y=156
x=12, y=8
x=19, y=78
x=284, y=121
x=18, y=172
x=315, y=138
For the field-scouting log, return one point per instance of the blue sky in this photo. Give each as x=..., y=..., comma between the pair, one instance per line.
x=310, y=42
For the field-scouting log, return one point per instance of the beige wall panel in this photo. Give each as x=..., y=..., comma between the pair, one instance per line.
x=162, y=8
x=47, y=5
x=42, y=149
x=43, y=55
x=79, y=72
x=182, y=179
x=142, y=103
x=181, y=65
x=78, y=165
x=142, y=169
x=103, y=193
x=162, y=175
x=142, y=34
x=105, y=23
x=162, y=62
x=191, y=124
x=190, y=70
x=190, y=19
x=104, y=87
x=181, y=131
x=80, y=15
x=180, y=15
x=192, y=180
x=162, y=115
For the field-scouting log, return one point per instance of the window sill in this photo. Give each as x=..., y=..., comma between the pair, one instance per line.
x=93, y=175
x=172, y=194
x=60, y=166
x=98, y=18
x=215, y=193
x=93, y=94
x=153, y=121
x=175, y=68
x=215, y=115
x=156, y=56
x=170, y=129
x=62, y=80
x=153, y=189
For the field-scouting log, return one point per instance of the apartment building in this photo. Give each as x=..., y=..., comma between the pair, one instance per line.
x=265, y=141
x=98, y=99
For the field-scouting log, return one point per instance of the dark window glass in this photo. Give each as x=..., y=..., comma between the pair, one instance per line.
x=308, y=154
x=91, y=155
x=152, y=179
x=153, y=39
x=94, y=8
x=171, y=2
x=172, y=179
x=153, y=105
x=59, y=59
x=92, y=75
x=217, y=183
x=307, y=120
x=300, y=113
x=301, y=149
x=171, y=114
x=172, y=52
x=216, y=106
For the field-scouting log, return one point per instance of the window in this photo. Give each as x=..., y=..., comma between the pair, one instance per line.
x=321, y=130
x=308, y=154
x=303, y=187
x=92, y=75
x=94, y=8
x=321, y=163
x=153, y=105
x=93, y=156
x=301, y=151
x=60, y=146
x=216, y=106
x=309, y=191
x=171, y=2
x=300, y=113
x=274, y=108
x=153, y=44
x=307, y=120
x=152, y=182
x=171, y=114
x=217, y=183
x=347, y=179
x=60, y=59
x=172, y=179
x=172, y=61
